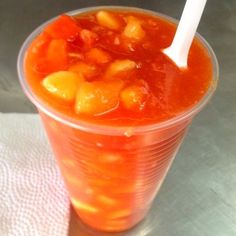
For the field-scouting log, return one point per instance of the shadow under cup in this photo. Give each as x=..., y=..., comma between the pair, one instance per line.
x=113, y=173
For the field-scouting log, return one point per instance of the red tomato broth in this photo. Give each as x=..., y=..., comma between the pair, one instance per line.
x=164, y=79
x=126, y=170
x=112, y=180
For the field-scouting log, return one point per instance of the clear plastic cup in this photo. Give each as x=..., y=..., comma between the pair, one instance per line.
x=113, y=173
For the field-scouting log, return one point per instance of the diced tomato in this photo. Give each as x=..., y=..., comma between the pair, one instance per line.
x=83, y=206
x=88, y=37
x=98, y=56
x=85, y=69
x=106, y=200
x=57, y=55
x=75, y=56
x=63, y=84
x=108, y=20
x=109, y=158
x=98, y=97
x=120, y=214
x=63, y=28
x=133, y=29
x=120, y=67
x=53, y=59
x=134, y=97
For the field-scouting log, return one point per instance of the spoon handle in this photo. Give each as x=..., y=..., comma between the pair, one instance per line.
x=179, y=49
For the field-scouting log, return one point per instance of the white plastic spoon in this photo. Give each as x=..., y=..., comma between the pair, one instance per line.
x=179, y=49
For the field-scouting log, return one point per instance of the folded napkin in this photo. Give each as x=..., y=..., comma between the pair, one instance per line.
x=33, y=199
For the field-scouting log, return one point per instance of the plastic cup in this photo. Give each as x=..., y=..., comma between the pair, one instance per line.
x=113, y=173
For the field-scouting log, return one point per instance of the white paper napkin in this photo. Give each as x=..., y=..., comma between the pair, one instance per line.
x=33, y=199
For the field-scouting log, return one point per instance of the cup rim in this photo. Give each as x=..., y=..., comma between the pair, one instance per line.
x=109, y=129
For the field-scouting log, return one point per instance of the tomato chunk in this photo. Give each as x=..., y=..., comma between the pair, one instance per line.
x=85, y=207
x=119, y=67
x=108, y=20
x=106, y=200
x=63, y=28
x=134, y=97
x=87, y=70
x=62, y=84
x=88, y=37
x=98, y=97
x=98, y=56
x=57, y=55
x=120, y=214
x=133, y=29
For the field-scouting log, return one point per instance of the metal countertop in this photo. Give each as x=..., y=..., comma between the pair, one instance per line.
x=198, y=197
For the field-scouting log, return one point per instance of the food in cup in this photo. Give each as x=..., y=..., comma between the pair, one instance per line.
x=106, y=53
x=106, y=68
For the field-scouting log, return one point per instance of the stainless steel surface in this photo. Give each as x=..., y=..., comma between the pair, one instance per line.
x=198, y=197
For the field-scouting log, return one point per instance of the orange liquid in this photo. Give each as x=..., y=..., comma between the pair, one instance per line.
x=112, y=180
x=174, y=90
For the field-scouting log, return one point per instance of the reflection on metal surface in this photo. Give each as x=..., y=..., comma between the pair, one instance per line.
x=144, y=228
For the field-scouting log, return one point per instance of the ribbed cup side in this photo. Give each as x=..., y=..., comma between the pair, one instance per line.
x=112, y=181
